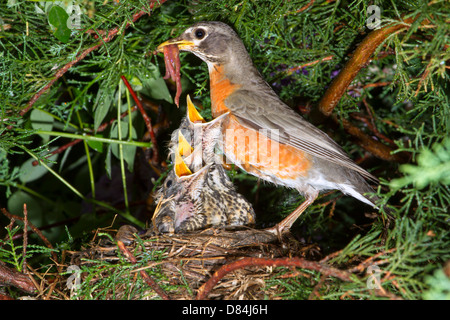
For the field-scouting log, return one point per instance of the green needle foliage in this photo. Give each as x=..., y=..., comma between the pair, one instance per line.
x=402, y=95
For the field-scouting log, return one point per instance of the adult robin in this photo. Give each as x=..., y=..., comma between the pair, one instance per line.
x=189, y=201
x=262, y=135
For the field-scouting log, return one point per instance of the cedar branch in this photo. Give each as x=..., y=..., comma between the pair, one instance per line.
x=111, y=34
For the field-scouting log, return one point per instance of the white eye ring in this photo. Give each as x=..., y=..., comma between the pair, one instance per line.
x=199, y=33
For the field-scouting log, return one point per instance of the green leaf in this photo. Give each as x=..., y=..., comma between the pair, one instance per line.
x=154, y=83
x=28, y=172
x=96, y=145
x=34, y=208
x=102, y=105
x=57, y=17
x=41, y=121
x=128, y=150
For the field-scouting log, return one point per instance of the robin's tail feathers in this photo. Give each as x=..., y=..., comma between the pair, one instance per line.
x=372, y=199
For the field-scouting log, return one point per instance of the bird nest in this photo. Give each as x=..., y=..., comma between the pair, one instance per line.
x=190, y=261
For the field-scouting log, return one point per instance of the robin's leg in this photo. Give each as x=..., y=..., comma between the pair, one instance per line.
x=287, y=222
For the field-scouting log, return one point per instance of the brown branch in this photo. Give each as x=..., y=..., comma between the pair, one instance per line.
x=25, y=237
x=373, y=128
x=315, y=291
x=111, y=34
x=359, y=59
x=370, y=85
x=59, y=150
x=306, y=6
x=375, y=147
x=294, y=69
x=370, y=261
x=11, y=277
x=144, y=274
x=422, y=79
x=147, y=120
x=262, y=262
x=35, y=230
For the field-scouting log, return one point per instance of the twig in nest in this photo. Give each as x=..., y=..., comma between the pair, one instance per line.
x=12, y=277
x=262, y=262
x=144, y=274
x=315, y=291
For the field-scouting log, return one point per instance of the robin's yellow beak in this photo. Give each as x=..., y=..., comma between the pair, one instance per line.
x=192, y=113
x=182, y=44
x=184, y=148
x=181, y=168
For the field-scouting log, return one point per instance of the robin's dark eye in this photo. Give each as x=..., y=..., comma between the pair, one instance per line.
x=199, y=33
x=169, y=183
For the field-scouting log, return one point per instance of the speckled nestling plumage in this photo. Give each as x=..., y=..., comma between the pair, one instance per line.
x=203, y=199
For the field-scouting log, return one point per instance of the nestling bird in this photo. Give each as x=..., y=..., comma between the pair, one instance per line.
x=198, y=142
x=189, y=201
x=261, y=134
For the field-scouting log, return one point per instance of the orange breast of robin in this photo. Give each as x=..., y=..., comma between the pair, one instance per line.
x=260, y=155
x=220, y=88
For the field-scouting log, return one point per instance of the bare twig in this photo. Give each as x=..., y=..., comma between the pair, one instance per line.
x=423, y=78
x=25, y=237
x=370, y=261
x=147, y=120
x=294, y=69
x=375, y=147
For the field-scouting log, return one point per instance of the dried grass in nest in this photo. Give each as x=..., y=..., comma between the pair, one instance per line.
x=193, y=258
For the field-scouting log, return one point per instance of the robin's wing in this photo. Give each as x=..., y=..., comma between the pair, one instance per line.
x=267, y=111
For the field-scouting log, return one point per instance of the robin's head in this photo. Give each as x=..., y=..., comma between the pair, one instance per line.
x=212, y=41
